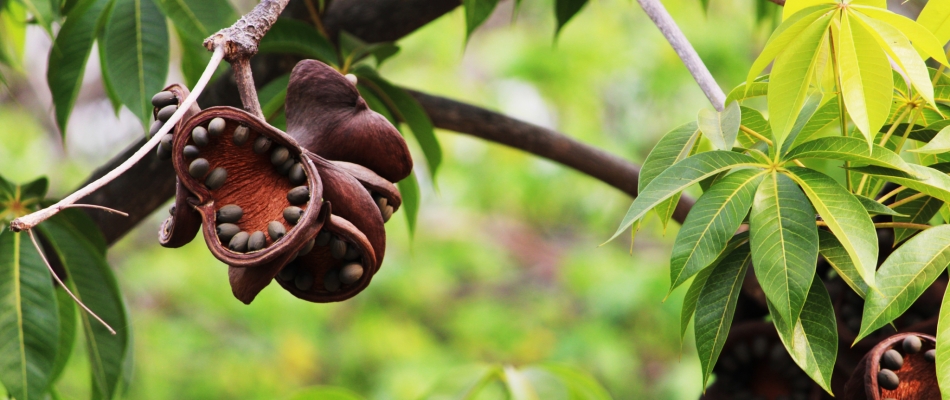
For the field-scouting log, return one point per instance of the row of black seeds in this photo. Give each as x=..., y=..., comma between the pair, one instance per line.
x=892, y=360
x=167, y=103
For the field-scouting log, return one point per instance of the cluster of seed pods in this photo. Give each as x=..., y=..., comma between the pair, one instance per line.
x=305, y=208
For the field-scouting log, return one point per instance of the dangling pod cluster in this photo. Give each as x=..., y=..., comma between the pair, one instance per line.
x=304, y=207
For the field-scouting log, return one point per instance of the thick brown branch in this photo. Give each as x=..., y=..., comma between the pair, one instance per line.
x=479, y=122
x=241, y=39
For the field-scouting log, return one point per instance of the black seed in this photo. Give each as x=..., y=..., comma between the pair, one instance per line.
x=350, y=273
x=306, y=249
x=276, y=230
x=323, y=238
x=256, y=241
x=279, y=156
x=162, y=153
x=284, y=168
x=191, y=151
x=229, y=213
x=288, y=273
x=304, y=281
x=331, y=281
x=162, y=99
x=887, y=379
x=241, y=134
x=387, y=213
x=296, y=174
x=292, y=214
x=352, y=252
x=216, y=126
x=892, y=360
x=298, y=195
x=200, y=136
x=226, y=232
x=216, y=178
x=912, y=344
x=930, y=355
x=239, y=242
x=262, y=144
x=166, y=143
x=198, y=168
x=152, y=130
x=166, y=112
x=337, y=248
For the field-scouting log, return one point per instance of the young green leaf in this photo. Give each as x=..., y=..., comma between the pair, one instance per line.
x=943, y=345
x=135, y=52
x=936, y=18
x=711, y=223
x=411, y=198
x=849, y=149
x=673, y=147
x=747, y=91
x=717, y=306
x=564, y=10
x=298, y=37
x=721, y=127
x=899, y=48
x=29, y=319
x=476, y=12
x=924, y=179
x=831, y=249
x=866, y=79
x=679, y=177
x=813, y=341
x=927, y=44
x=904, y=276
x=794, y=7
x=787, y=33
x=12, y=33
x=844, y=215
x=918, y=211
x=784, y=241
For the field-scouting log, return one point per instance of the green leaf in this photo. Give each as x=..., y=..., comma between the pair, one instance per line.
x=927, y=44
x=476, y=12
x=12, y=33
x=794, y=7
x=873, y=207
x=865, y=74
x=753, y=119
x=689, y=301
x=673, y=147
x=273, y=96
x=411, y=198
x=831, y=249
x=747, y=91
x=899, y=48
x=679, y=177
x=564, y=10
x=943, y=346
x=939, y=144
x=68, y=56
x=199, y=19
x=918, y=211
x=67, y=332
x=717, y=306
x=135, y=54
x=42, y=11
x=29, y=319
x=325, y=393
x=904, y=276
x=848, y=149
x=93, y=282
x=375, y=103
x=711, y=223
x=790, y=31
x=813, y=342
x=791, y=78
x=936, y=18
x=844, y=215
x=721, y=127
x=925, y=179
x=298, y=37
x=784, y=241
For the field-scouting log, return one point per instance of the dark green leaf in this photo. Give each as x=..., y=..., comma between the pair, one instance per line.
x=673, y=147
x=917, y=211
x=831, y=249
x=943, y=346
x=849, y=149
x=298, y=37
x=823, y=117
x=42, y=12
x=411, y=198
x=813, y=342
x=692, y=294
x=273, y=95
x=717, y=306
x=564, y=10
x=476, y=12
x=67, y=331
x=875, y=208
x=199, y=19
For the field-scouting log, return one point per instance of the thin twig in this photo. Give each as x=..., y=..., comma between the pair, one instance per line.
x=63, y=285
x=31, y=220
x=97, y=207
x=245, y=83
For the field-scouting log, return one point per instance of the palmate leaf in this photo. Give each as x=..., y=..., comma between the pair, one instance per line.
x=925, y=179
x=918, y=211
x=721, y=128
x=711, y=223
x=673, y=147
x=784, y=241
x=717, y=305
x=679, y=177
x=865, y=75
x=943, y=346
x=904, y=276
x=936, y=18
x=844, y=215
x=813, y=341
x=831, y=249
x=784, y=35
x=849, y=149
x=29, y=319
x=792, y=8
x=922, y=38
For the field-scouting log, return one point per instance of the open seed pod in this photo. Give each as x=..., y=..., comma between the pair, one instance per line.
x=183, y=222
x=899, y=367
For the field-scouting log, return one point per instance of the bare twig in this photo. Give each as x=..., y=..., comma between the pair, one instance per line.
x=245, y=84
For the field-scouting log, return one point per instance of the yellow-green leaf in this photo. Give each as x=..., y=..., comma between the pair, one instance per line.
x=899, y=48
x=923, y=39
x=866, y=80
x=786, y=33
x=792, y=7
x=936, y=18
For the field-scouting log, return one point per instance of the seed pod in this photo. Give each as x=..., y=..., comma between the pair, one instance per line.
x=284, y=168
x=216, y=126
x=279, y=156
x=912, y=344
x=262, y=144
x=331, y=281
x=152, y=130
x=276, y=230
x=352, y=253
x=296, y=174
x=387, y=213
x=323, y=238
x=887, y=379
x=216, y=178
x=256, y=241
x=337, y=248
x=241, y=134
x=930, y=355
x=200, y=136
x=239, y=242
x=166, y=143
x=306, y=248
x=298, y=195
x=304, y=281
x=166, y=112
x=162, y=153
x=292, y=214
x=892, y=360
x=350, y=273
x=162, y=99
x=198, y=168
x=191, y=151
x=229, y=213
x=288, y=273
x=227, y=231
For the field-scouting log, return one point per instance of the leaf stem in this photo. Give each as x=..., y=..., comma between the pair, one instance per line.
x=906, y=200
x=892, y=193
x=755, y=134
x=894, y=125
x=903, y=225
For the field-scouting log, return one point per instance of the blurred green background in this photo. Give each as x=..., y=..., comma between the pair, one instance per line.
x=505, y=265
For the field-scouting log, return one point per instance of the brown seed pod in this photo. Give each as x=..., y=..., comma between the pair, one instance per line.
x=184, y=223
